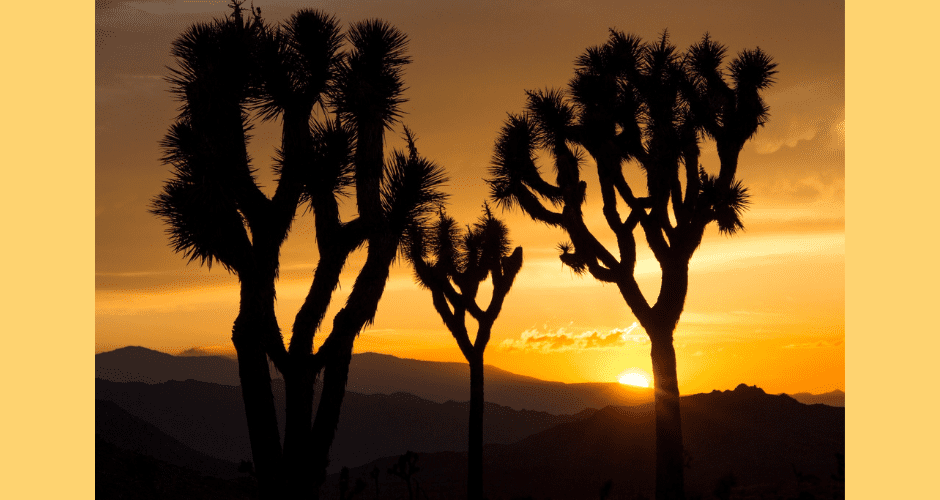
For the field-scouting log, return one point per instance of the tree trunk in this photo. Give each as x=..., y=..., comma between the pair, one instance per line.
x=369, y=163
x=335, y=375
x=298, y=388
x=670, y=483
x=348, y=322
x=475, y=443
x=255, y=376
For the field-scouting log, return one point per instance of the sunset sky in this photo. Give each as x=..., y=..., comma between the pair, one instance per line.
x=765, y=307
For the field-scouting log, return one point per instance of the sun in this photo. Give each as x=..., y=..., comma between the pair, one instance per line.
x=635, y=379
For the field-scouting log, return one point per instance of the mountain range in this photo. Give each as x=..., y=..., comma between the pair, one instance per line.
x=771, y=445
x=209, y=419
x=372, y=373
x=193, y=432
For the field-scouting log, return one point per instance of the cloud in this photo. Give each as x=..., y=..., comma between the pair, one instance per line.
x=822, y=344
x=797, y=130
x=809, y=111
x=561, y=340
x=837, y=133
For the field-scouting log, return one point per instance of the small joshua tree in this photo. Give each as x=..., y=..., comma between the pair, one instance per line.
x=405, y=467
x=461, y=262
x=344, y=492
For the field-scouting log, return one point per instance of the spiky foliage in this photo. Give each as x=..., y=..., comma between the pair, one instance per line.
x=205, y=227
x=212, y=70
x=298, y=62
x=727, y=205
x=411, y=190
x=369, y=82
x=333, y=147
x=648, y=105
x=441, y=252
x=513, y=170
x=206, y=144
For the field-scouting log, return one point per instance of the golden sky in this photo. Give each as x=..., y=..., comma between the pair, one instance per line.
x=765, y=307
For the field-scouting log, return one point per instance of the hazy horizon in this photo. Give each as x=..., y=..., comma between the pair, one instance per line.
x=230, y=354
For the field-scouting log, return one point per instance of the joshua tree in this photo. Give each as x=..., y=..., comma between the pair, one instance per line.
x=358, y=488
x=405, y=467
x=461, y=262
x=233, y=71
x=640, y=103
x=374, y=475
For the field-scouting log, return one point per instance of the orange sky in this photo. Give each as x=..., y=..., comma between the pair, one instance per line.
x=765, y=307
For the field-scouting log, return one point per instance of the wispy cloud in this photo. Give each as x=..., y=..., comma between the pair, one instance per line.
x=562, y=340
x=815, y=114
x=797, y=130
x=822, y=344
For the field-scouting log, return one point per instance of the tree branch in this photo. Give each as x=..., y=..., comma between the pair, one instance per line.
x=532, y=206
x=654, y=237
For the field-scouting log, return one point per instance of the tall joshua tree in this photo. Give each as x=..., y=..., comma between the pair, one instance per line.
x=644, y=104
x=230, y=72
x=460, y=263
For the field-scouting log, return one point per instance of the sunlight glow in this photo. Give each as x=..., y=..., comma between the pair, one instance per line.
x=634, y=379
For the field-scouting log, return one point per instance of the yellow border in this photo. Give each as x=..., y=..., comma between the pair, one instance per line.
x=891, y=269
x=47, y=134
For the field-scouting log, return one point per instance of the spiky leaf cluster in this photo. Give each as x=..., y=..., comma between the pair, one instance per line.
x=228, y=68
x=724, y=205
x=369, y=80
x=513, y=171
x=333, y=147
x=297, y=62
x=467, y=256
x=204, y=226
x=411, y=190
x=214, y=70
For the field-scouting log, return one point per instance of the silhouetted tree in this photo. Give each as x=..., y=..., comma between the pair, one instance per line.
x=606, y=488
x=645, y=104
x=375, y=479
x=231, y=72
x=723, y=487
x=460, y=263
x=344, y=485
x=839, y=477
x=405, y=468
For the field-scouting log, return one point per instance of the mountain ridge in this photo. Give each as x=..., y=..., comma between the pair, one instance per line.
x=775, y=446
x=209, y=418
x=376, y=373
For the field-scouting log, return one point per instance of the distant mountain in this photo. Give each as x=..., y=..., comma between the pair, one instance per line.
x=118, y=427
x=210, y=418
x=371, y=373
x=834, y=398
x=774, y=446
x=139, y=364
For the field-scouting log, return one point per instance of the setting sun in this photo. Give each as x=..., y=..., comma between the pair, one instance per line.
x=634, y=379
